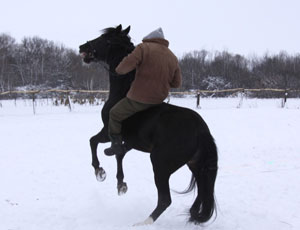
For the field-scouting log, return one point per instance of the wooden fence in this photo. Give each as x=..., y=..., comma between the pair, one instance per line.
x=172, y=93
x=197, y=93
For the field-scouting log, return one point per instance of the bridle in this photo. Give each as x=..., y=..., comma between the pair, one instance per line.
x=93, y=54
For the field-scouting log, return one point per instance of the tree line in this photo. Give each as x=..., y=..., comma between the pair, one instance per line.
x=37, y=63
x=223, y=70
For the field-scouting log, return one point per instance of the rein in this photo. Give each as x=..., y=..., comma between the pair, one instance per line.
x=93, y=54
x=113, y=73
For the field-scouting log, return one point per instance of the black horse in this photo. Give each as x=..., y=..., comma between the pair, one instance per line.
x=174, y=136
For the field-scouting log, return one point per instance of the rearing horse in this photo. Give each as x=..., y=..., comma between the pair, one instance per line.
x=174, y=136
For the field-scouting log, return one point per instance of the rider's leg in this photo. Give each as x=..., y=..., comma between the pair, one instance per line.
x=121, y=111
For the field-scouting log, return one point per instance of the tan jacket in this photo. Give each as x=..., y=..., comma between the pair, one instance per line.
x=157, y=70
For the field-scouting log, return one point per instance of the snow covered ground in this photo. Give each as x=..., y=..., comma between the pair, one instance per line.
x=47, y=182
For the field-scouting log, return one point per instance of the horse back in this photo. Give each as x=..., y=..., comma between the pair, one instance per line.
x=160, y=124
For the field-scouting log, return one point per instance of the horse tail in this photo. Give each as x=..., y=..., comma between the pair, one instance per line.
x=204, y=168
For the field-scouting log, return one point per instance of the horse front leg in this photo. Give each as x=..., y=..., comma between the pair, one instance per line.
x=94, y=141
x=121, y=186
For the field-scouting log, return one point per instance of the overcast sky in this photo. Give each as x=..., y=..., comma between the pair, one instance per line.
x=238, y=26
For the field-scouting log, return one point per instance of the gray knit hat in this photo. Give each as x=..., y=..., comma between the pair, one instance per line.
x=158, y=33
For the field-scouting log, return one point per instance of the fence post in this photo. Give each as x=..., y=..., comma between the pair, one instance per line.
x=15, y=99
x=68, y=102
x=33, y=102
x=284, y=98
x=242, y=98
x=198, y=100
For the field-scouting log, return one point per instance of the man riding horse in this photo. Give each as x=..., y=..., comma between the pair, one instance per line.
x=173, y=135
x=157, y=70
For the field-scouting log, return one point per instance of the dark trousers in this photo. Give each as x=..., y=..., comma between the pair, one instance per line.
x=122, y=110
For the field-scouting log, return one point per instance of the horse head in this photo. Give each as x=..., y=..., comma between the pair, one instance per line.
x=110, y=47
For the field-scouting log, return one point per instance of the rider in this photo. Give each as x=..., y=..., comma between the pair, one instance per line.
x=157, y=70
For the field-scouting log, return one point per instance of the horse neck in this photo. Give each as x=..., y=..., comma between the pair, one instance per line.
x=118, y=56
x=119, y=84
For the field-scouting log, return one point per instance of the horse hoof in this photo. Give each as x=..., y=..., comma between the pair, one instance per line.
x=122, y=189
x=148, y=221
x=100, y=174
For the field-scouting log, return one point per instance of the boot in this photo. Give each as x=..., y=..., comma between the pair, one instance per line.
x=116, y=146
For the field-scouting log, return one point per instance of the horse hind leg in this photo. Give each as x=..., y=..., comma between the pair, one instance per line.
x=161, y=178
x=164, y=199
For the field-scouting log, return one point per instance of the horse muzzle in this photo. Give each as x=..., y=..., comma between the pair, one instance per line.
x=83, y=55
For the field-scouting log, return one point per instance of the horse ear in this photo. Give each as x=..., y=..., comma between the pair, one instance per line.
x=126, y=31
x=119, y=28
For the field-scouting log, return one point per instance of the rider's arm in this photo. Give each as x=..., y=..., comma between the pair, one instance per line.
x=130, y=62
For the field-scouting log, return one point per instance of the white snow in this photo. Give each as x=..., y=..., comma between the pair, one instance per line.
x=47, y=181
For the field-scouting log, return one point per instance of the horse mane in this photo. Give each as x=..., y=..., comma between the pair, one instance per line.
x=123, y=38
x=108, y=30
x=122, y=44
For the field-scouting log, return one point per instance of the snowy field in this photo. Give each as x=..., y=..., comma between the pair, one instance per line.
x=47, y=182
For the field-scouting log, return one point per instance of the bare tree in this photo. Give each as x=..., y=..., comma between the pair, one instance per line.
x=7, y=44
